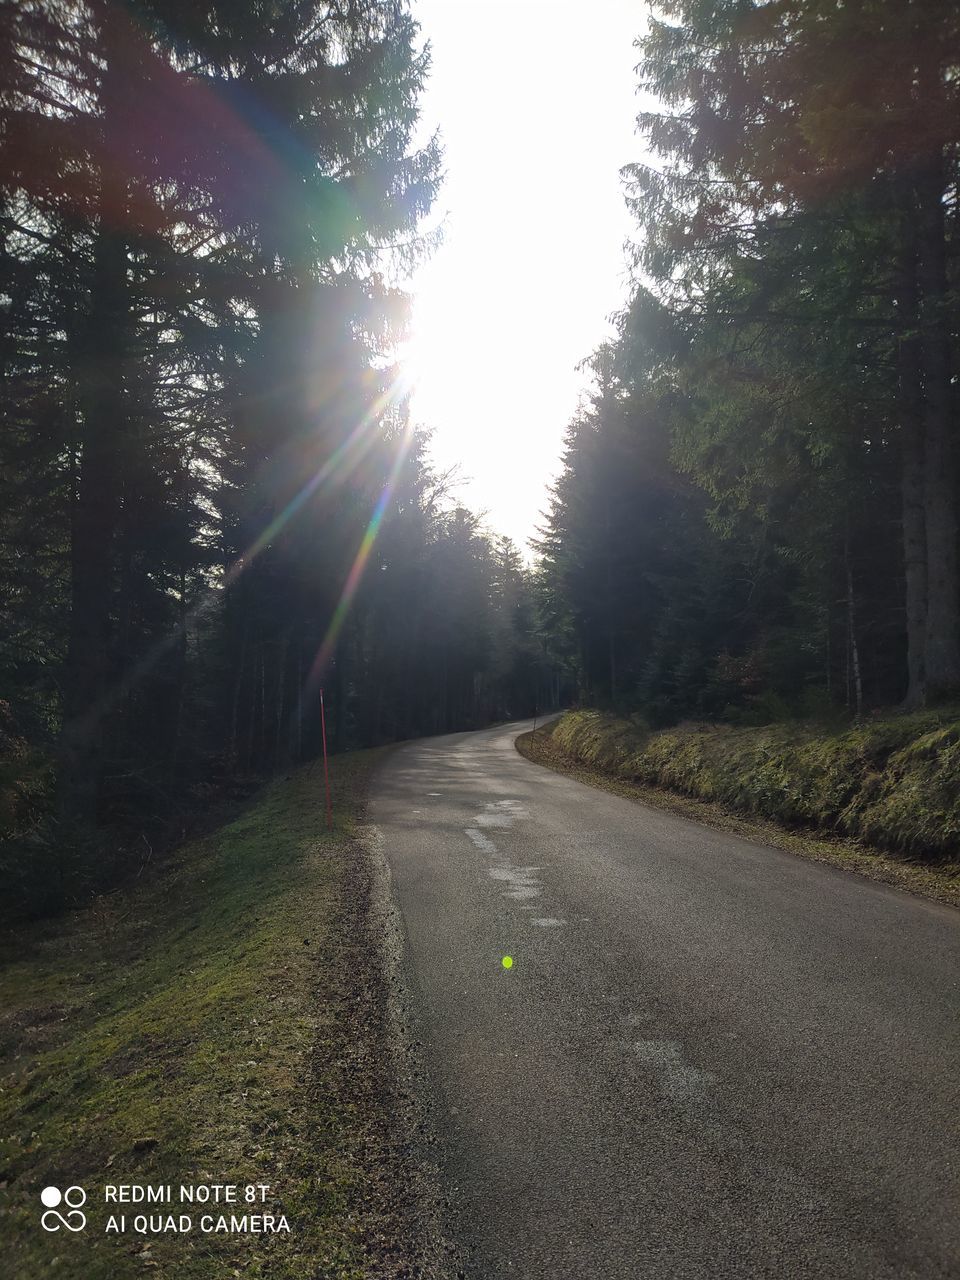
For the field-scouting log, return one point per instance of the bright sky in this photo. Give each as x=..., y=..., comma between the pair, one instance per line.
x=535, y=102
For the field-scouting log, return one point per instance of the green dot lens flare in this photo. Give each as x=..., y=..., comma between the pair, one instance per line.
x=507, y=962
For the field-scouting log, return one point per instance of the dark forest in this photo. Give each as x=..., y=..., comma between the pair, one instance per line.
x=215, y=502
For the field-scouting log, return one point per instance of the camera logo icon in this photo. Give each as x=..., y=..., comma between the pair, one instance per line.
x=72, y=1218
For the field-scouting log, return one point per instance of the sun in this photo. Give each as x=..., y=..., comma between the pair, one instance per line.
x=473, y=362
x=453, y=339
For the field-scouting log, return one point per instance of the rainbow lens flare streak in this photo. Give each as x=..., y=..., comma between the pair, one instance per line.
x=343, y=460
x=339, y=459
x=355, y=575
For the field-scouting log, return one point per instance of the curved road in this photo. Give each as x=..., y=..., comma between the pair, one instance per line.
x=709, y=1058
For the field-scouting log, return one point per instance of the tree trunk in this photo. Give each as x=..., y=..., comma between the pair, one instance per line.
x=252, y=722
x=340, y=696
x=182, y=652
x=96, y=509
x=233, y=750
x=262, y=751
x=912, y=465
x=611, y=638
x=279, y=699
x=915, y=565
x=300, y=695
x=943, y=589
x=854, y=668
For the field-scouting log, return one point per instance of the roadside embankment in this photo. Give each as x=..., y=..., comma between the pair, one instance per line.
x=227, y=1021
x=882, y=798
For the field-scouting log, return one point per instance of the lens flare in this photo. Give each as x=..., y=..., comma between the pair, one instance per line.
x=340, y=463
x=355, y=575
x=343, y=459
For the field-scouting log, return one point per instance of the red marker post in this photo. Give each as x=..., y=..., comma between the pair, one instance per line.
x=326, y=775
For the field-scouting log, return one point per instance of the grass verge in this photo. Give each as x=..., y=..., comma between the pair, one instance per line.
x=623, y=757
x=219, y=1024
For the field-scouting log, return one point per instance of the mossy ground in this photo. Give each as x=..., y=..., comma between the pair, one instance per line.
x=882, y=799
x=186, y=1031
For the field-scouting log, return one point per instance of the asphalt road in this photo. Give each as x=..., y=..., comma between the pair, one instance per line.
x=709, y=1058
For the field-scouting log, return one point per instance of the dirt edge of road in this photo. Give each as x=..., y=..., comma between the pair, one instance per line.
x=405, y=1232
x=539, y=747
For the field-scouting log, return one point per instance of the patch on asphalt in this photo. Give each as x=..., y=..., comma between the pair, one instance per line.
x=483, y=843
x=676, y=1078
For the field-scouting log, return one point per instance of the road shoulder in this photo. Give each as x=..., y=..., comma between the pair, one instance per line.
x=848, y=855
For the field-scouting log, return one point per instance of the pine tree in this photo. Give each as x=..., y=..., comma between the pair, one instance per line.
x=773, y=111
